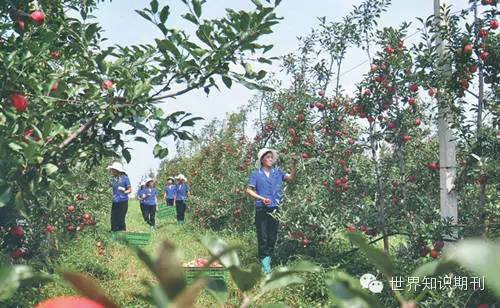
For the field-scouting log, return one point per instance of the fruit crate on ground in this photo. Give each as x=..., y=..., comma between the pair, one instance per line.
x=134, y=238
x=215, y=273
x=165, y=212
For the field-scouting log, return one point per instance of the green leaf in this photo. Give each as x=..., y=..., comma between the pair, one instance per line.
x=5, y=196
x=285, y=276
x=89, y=288
x=481, y=257
x=346, y=291
x=264, y=60
x=126, y=155
x=227, y=81
x=141, y=139
x=197, y=7
x=11, y=278
x=246, y=280
x=50, y=168
x=220, y=249
x=188, y=296
x=15, y=147
x=167, y=45
x=170, y=270
x=143, y=14
x=164, y=13
x=376, y=256
x=154, y=6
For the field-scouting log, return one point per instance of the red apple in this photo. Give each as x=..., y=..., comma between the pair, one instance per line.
x=395, y=183
x=412, y=178
x=55, y=55
x=17, y=231
x=17, y=253
x=468, y=48
x=50, y=229
x=19, y=102
x=484, y=55
x=412, y=101
x=351, y=228
x=388, y=49
x=418, y=122
x=71, y=208
x=69, y=301
x=473, y=68
x=483, y=32
x=367, y=92
x=363, y=228
x=38, y=17
x=391, y=125
x=438, y=246
x=86, y=216
x=107, y=84
x=406, y=138
x=341, y=162
x=305, y=242
x=305, y=155
x=494, y=24
x=321, y=93
x=431, y=92
x=414, y=87
x=70, y=227
x=300, y=117
x=55, y=86
x=319, y=105
x=434, y=254
x=488, y=2
x=373, y=67
x=21, y=24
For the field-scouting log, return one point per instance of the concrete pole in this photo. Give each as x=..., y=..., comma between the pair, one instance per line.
x=447, y=153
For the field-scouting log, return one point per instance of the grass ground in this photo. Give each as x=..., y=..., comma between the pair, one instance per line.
x=120, y=273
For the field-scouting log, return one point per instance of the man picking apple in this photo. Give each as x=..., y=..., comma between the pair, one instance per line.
x=265, y=185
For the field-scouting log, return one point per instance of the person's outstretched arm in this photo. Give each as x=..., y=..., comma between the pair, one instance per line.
x=293, y=173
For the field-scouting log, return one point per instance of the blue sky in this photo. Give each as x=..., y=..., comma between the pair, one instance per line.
x=124, y=26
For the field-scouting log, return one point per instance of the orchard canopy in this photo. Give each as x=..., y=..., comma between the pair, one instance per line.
x=397, y=168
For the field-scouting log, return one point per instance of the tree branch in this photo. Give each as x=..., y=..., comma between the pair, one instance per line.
x=78, y=132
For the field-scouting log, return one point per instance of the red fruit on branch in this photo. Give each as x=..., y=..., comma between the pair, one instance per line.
x=19, y=102
x=392, y=90
x=412, y=178
x=431, y=92
x=487, y=2
x=380, y=78
x=319, y=105
x=388, y=49
x=341, y=162
x=418, y=122
x=70, y=227
x=69, y=301
x=395, y=183
x=351, y=228
x=434, y=254
x=305, y=155
x=373, y=67
x=305, y=242
x=86, y=216
x=350, y=141
x=484, y=55
x=300, y=117
x=38, y=17
x=17, y=231
x=391, y=125
x=439, y=245
x=50, y=229
x=71, y=208
x=414, y=87
x=473, y=68
x=367, y=92
x=17, y=254
x=406, y=138
x=321, y=93
x=107, y=84
x=433, y=166
x=55, y=86
x=483, y=33
x=401, y=44
x=494, y=24
x=412, y=101
x=21, y=24
x=55, y=55
x=468, y=49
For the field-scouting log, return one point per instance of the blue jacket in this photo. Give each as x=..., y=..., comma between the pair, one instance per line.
x=151, y=194
x=170, y=191
x=120, y=181
x=181, y=191
x=268, y=187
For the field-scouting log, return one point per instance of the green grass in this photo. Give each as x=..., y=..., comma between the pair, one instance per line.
x=121, y=273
